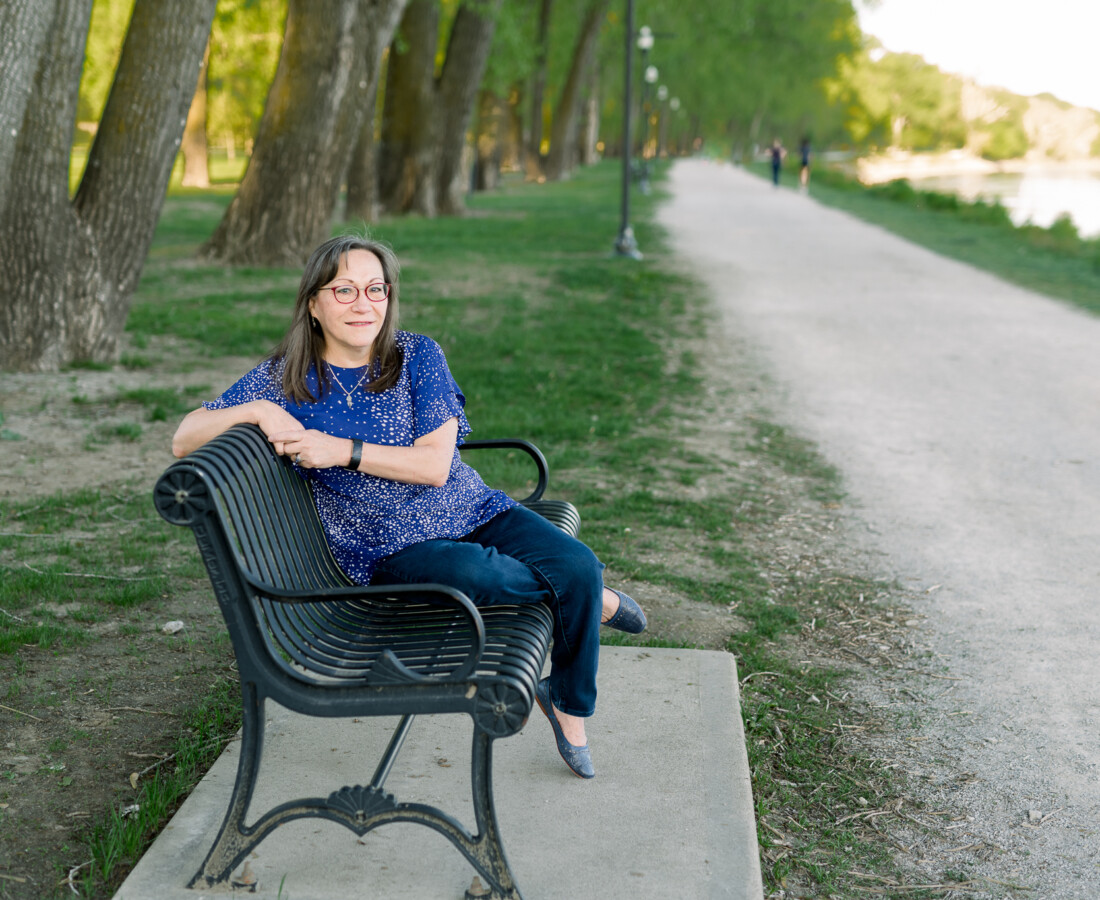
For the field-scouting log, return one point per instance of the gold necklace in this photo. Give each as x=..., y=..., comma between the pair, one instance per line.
x=344, y=389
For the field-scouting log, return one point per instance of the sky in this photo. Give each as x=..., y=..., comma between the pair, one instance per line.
x=1028, y=46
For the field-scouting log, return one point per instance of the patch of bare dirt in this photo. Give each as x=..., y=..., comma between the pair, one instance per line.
x=76, y=723
x=69, y=431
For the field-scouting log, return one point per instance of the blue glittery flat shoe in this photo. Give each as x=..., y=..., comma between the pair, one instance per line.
x=628, y=617
x=579, y=759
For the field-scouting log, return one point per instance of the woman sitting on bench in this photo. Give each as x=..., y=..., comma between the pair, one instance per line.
x=372, y=417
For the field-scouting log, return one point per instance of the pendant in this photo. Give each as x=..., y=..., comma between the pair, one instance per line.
x=349, y=401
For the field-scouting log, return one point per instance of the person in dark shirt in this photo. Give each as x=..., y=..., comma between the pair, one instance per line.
x=777, y=154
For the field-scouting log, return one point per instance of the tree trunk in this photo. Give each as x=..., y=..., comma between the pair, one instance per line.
x=563, y=134
x=363, y=202
x=512, y=131
x=407, y=141
x=491, y=124
x=421, y=162
x=589, y=151
x=533, y=150
x=70, y=267
x=467, y=56
x=26, y=23
x=320, y=94
x=196, y=170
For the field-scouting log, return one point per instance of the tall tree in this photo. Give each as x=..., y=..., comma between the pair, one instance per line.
x=196, y=168
x=467, y=57
x=362, y=198
x=30, y=22
x=533, y=151
x=322, y=87
x=425, y=117
x=498, y=130
x=70, y=266
x=567, y=114
x=408, y=132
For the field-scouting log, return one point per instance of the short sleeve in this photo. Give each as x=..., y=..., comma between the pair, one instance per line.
x=436, y=396
x=262, y=383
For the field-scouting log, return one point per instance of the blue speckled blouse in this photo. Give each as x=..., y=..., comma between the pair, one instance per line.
x=366, y=517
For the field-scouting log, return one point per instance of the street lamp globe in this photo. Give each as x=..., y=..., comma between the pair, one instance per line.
x=645, y=39
x=651, y=75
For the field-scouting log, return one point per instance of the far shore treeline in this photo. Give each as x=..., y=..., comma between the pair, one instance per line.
x=391, y=107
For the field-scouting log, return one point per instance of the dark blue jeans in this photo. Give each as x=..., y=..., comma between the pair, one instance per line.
x=520, y=557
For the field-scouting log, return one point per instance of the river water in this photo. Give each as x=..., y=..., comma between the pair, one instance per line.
x=1038, y=196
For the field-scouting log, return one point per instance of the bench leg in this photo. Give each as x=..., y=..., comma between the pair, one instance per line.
x=485, y=850
x=233, y=844
x=234, y=841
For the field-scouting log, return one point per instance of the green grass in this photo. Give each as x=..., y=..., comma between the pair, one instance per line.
x=553, y=339
x=1053, y=261
x=118, y=840
x=85, y=551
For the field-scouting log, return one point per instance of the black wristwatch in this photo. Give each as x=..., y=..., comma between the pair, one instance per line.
x=356, y=455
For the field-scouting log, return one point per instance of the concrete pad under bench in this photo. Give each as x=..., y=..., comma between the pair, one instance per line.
x=669, y=813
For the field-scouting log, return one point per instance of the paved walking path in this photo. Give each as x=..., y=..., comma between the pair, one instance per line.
x=964, y=414
x=669, y=813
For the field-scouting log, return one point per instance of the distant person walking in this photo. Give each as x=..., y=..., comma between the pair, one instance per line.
x=804, y=171
x=777, y=153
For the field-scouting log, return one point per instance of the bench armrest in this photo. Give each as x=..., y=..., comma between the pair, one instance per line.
x=517, y=444
x=433, y=594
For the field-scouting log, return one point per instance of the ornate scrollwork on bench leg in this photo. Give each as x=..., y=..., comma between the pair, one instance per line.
x=360, y=808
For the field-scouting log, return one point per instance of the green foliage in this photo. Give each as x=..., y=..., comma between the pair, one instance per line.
x=1006, y=140
x=106, y=32
x=511, y=60
x=1000, y=134
x=754, y=69
x=245, y=42
x=899, y=100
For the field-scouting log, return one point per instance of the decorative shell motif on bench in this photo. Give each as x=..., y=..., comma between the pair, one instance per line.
x=361, y=802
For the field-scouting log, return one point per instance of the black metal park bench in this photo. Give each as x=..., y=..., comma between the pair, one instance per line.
x=309, y=639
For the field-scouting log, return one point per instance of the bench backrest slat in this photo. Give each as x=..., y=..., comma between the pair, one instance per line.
x=268, y=512
x=261, y=532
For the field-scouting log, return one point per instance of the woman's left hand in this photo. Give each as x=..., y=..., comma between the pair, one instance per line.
x=312, y=449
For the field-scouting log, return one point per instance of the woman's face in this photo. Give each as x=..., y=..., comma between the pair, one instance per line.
x=350, y=328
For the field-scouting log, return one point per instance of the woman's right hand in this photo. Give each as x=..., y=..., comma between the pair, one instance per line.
x=273, y=419
x=202, y=425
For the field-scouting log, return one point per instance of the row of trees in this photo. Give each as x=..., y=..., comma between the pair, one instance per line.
x=899, y=100
x=393, y=99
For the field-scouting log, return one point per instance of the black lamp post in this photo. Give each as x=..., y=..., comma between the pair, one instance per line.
x=625, y=245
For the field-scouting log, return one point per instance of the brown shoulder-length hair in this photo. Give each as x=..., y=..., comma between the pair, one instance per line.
x=304, y=343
